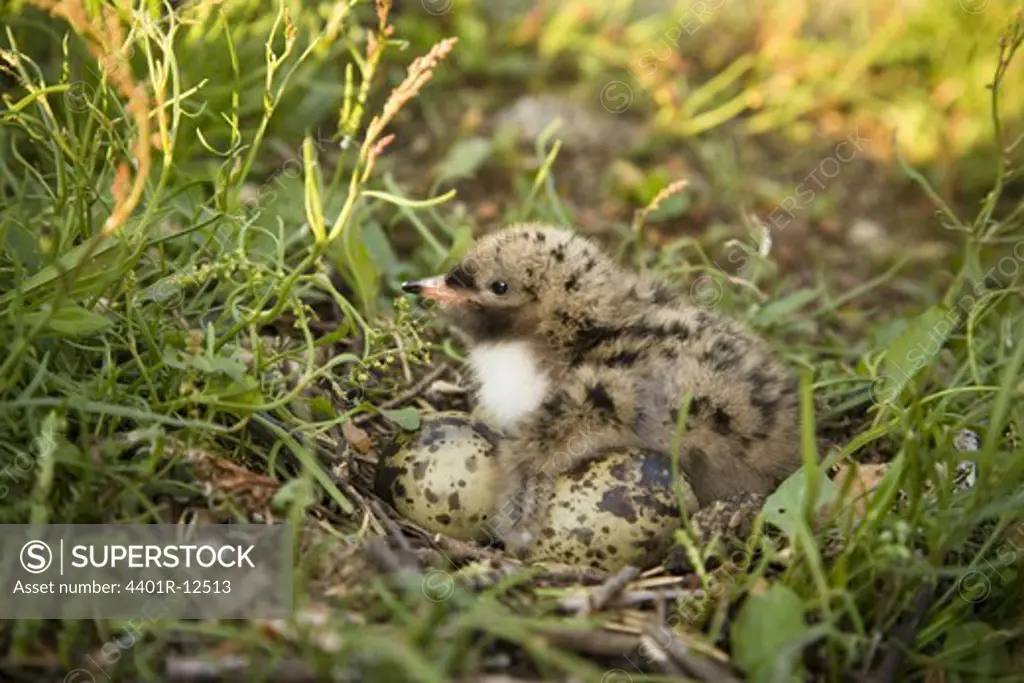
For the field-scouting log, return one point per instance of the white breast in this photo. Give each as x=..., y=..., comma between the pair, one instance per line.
x=512, y=384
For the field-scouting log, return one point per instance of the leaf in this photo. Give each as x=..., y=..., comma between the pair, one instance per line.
x=71, y=320
x=244, y=396
x=228, y=367
x=300, y=492
x=321, y=408
x=977, y=648
x=768, y=624
x=92, y=261
x=166, y=291
x=216, y=366
x=311, y=194
x=282, y=201
x=775, y=311
x=356, y=265
x=406, y=418
x=21, y=245
x=913, y=349
x=464, y=159
x=785, y=506
x=379, y=248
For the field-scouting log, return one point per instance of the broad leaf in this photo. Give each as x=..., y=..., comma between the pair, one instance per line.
x=977, y=648
x=301, y=492
x=71, y=320
x=92, y=263
x=356, y=265
x=464, y=159
x=219, y=366
x=245, y=395
x=767, y=635
x=775, y=311
x=406, y=418
x=379, y=248
x=229, y=367
x=914, y=349
x=784, y=507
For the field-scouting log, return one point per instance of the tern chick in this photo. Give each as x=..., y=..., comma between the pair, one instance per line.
x=574, y=355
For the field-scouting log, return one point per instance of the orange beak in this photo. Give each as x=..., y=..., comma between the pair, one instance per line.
x=435, y=289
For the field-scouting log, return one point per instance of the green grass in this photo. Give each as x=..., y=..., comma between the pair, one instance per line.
x=238, y=315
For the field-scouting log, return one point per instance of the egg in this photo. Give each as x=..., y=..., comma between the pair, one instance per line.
x=444, y=476
x=620, y=508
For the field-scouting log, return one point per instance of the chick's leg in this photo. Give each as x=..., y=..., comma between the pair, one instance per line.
x=592, y=410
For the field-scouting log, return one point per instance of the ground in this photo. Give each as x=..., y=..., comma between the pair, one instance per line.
x=229, y=343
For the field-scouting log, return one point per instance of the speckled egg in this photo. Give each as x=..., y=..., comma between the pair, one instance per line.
x=615, y=510
x=444, y=476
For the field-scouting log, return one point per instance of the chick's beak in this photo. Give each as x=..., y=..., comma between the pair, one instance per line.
x=433, y=288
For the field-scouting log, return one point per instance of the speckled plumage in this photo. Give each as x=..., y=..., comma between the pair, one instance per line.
x=619, y=352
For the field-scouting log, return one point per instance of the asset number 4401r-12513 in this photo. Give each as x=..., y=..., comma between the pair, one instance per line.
x=172, y=587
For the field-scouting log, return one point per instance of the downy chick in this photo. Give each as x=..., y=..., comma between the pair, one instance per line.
x=574, y=355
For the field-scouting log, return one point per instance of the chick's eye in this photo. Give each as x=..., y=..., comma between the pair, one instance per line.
x=499, y=287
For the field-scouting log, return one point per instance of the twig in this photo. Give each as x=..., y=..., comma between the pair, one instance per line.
x=592, y=642
x=595, y=600
x=371, y=518
x=394, y=531
x=406, y=395
x=237, y=668
x=462, y=552
x=656, y=653
x=902, y=636
x=384, y=556
x=640, y=597
x=459, y=552
x=693, y=663
x=406, y=372
x=566, y=573
x=660, y=603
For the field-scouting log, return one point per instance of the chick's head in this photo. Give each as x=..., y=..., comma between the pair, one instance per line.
x=523, y=283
